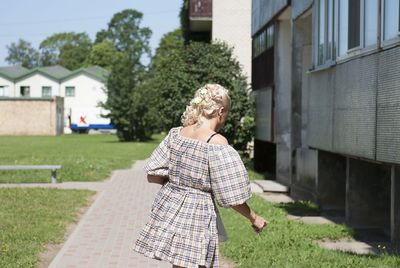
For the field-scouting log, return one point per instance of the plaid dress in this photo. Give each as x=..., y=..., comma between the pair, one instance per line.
x=183, y=221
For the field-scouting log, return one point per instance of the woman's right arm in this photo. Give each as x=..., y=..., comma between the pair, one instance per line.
x=258, y=222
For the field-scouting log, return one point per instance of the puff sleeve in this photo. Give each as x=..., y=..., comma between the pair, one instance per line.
x=158, y=163
x=230, y=182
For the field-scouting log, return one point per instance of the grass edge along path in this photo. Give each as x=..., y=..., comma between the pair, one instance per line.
x=288, y=243
x=32, y=218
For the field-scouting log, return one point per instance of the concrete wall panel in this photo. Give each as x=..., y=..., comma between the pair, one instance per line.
x=263, y=11
x=368, y=195
x=232, y=24
x=283, y=97
x=388, y=128
x=320, y=110
x=31, y=116
x=355, y=107
x=263, y=98
x=299, y=7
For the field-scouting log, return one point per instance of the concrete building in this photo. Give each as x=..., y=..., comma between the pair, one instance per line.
x=79, y=89
x=227, y=21
x=328, y=105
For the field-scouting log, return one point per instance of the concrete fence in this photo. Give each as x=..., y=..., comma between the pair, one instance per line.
x=31, y=116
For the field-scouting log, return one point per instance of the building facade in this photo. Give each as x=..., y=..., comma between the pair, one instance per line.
x=227, y=21
x=80, y=89
x=328, y=112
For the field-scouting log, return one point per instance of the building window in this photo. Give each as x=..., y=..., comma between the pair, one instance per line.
x=354, y=24
x=69, y=91
x=46, y=91
x=349, y=25
x=263, y=41
x=370, y=22
x=25, y=91
x=3, y=91
x=391, y=19
x=343, y=25
x=270, y=36
x=326, y=43
x=321, y=32
x=330, y=49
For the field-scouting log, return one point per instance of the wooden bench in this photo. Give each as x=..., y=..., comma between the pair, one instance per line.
x=21, y=167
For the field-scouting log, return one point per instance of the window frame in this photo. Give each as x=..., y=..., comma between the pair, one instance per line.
x=355, y=52
x=326, y=62
x=69, y=87
x=378, y=25
x=3, y=90
x=49, y=88
x=29, y=91
x=263, y=41
x=394, y=40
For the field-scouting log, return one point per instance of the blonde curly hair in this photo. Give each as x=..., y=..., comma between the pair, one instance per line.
x=206, y=102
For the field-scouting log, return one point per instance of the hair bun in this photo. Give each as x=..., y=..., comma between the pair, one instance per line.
x=206, y=101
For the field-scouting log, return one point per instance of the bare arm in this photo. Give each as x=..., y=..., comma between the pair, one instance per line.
x=157, y=179
x=257, y=222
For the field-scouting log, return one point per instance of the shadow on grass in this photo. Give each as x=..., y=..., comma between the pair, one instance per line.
x=301, y=208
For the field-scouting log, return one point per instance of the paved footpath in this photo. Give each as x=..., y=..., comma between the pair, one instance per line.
x=105, y=234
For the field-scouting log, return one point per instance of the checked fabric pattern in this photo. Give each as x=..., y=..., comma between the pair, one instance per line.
x=182, y=228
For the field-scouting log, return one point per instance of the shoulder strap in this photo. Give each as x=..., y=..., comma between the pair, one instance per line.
x=212, y=136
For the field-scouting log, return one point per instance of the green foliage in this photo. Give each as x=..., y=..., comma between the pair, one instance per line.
x=104, y=54
x=22, y=53
x=183, y=69
x=125, y=100
x=123, y=95
x=32, y=218
x=67, y=49
x=286, y=243
x=128, y=36
x=83, y=157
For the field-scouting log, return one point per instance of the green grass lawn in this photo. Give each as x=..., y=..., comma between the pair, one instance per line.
x=83, y=157
x=289, y=243
x=32, y=218
x=253, y=174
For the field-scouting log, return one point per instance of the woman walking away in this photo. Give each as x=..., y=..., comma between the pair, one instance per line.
x=196, y=165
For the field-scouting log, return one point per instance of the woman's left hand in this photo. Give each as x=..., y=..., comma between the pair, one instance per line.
x=259, y=223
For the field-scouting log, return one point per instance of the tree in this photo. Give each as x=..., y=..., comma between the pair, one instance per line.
x=22, y=53
x=169, y=43
x=67, y=49
x=183, y=69
x=128, y=36
x=104, y=54
x=125, y=100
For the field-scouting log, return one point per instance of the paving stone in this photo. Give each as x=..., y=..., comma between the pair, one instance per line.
x=255, y=188
x=353, y=246
x=106, y=233
x=316, y=219
x=276, y=197
x=272, y=186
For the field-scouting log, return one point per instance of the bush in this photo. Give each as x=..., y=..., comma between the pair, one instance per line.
x=177, y=72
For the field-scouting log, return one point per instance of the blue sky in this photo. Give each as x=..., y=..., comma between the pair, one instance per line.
x=34, y=20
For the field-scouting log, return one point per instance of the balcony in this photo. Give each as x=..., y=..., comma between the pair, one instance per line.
x=200, y=15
